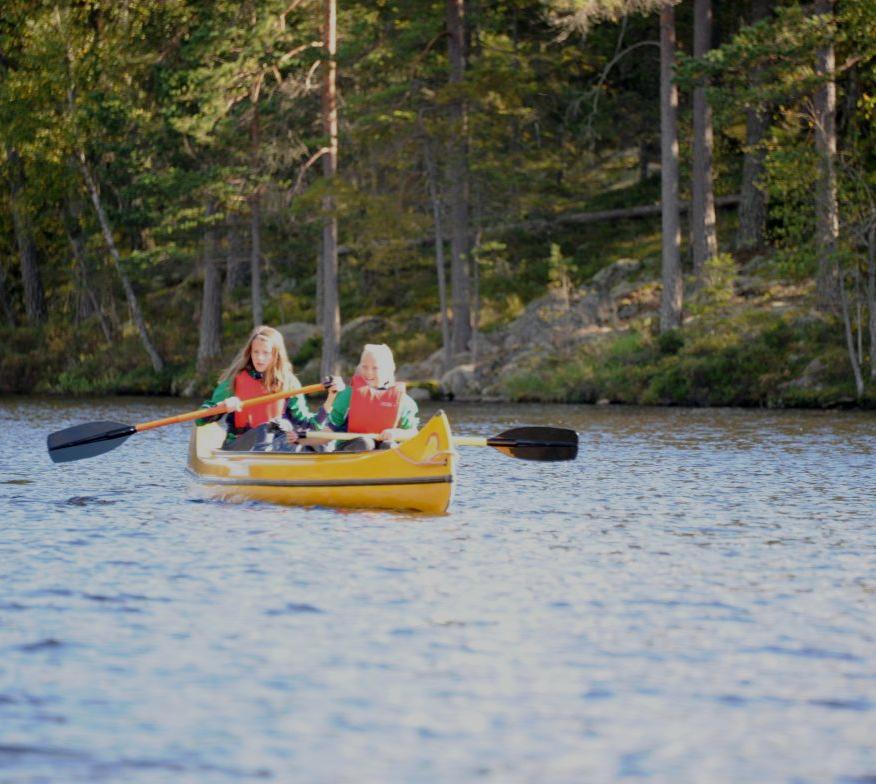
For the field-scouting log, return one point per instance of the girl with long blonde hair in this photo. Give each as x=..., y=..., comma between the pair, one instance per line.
x=262, y=367
x=277, y=374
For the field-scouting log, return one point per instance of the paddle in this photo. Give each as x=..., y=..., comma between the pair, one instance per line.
x=94, y=438
x=524, y=443
x=529, y=443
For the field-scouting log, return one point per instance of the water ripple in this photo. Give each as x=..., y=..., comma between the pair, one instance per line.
x=690, y=600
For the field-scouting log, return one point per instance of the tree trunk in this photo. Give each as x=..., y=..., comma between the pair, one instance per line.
x=644, y=159
x=476, y=299
x=600, y=216
x=78, y=246
x=235, y=260
x=752, y=200
x=73, y=228
x=4, y=299
x=673, y=284
x=320, y=281
x=331, y=314
x=704, y=240
x=85, y=303
x=826, y=208
x=458, y=173
x=255, y=259
x=850, y=340
x=432, y=178
x=111, y=310
x=85, y=300
x=210, y=334
x=752, y=204
x=475, y=268
x=859, y=315
x=34, y=298
x=133, y=304
x=871, y=295
x=255, y=204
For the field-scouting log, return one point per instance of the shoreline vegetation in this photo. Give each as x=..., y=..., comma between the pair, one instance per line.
x=644, y=202
x=750, y=338
x=750, y=341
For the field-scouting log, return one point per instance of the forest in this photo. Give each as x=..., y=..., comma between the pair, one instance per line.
x=627, y=201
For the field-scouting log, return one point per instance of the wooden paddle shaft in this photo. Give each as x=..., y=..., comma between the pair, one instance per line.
x=469, y=441
x=220, y=409
x=330, y=436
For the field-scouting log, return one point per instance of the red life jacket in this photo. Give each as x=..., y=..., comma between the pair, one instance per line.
x=373, y=410
x=247, y=387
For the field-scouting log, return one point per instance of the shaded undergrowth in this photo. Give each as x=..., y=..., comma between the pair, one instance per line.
x=747, y=356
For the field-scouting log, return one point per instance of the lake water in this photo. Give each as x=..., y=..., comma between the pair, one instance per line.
x=692, y=600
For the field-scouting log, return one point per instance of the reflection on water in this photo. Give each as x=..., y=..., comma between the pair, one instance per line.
x=693, y=599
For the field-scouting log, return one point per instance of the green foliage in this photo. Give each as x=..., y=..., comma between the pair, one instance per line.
x=716, y=288
x=309, y=349
x=780, y=51
x=415, y=345
x=670, y=342
x=792, y=171
x=22, y=361
x=190, y=113
x=745, y=358
x=108, y=381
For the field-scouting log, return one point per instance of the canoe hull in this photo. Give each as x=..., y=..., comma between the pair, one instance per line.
x=417, y=476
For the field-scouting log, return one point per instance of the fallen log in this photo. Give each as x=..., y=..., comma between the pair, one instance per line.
x=578, y=218
x=597, y=216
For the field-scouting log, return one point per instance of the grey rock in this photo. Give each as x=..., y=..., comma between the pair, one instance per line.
x=556, y=323
x=296, y=334
x=460, y=382
x=430, y=368
x=621, y=270
x=362, y=330
x=811, y=376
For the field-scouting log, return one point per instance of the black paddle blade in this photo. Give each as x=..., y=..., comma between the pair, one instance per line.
x=537, y=443
x=88, y=440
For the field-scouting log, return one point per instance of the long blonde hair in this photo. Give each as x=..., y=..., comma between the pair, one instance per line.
x=278, y=375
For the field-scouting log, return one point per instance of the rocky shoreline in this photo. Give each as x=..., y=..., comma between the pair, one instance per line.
x=622, y=299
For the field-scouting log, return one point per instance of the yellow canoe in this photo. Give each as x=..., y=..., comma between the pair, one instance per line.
x=418, y=475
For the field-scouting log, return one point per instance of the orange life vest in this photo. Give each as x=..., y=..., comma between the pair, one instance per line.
x=373, y=410
x=246, y=387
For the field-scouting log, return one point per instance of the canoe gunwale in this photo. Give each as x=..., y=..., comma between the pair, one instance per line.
x=229, y=456
x=228, y=480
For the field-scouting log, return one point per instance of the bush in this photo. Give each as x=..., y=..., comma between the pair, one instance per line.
x=311, y=348
x=670, y=342
x=716, y=288
x=745, y=358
